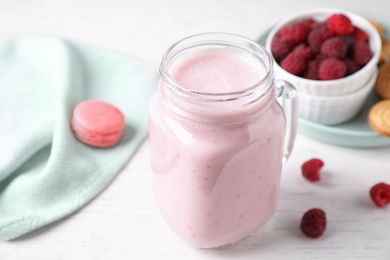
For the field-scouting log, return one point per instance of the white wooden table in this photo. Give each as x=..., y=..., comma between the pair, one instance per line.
x=123, y=222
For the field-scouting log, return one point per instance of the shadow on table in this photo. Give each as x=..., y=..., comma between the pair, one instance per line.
x=269, y=238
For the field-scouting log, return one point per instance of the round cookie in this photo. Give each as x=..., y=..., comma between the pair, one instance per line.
x=378, y=26
x=385, y=52
x=379, y=117
x=97, y=123
x=382, y=85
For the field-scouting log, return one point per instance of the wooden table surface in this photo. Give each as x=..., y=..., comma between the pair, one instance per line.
x=124, y=223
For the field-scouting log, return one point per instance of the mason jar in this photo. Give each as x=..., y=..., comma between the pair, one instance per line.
x=220, y=128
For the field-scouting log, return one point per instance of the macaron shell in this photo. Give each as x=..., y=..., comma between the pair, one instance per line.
x=97, y=123
x=95, y=139
x=98, y=116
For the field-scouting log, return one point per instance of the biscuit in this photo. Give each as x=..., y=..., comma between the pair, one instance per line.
x=382, y=85
x=379, y=117
x=378, y=26
x=385, y=52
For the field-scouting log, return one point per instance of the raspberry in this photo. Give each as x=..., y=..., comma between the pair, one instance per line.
x=334, y=47
x=339, y=24
x=311, y=169
x=359, y=35
x=348, y=39
x=280, y=47
x=310, y=22
x=311, y=71
x=332, y=68
x=295, y=31
x=313, y=223
x=339, y=48
x=320, y=56
x=317, y=36
x=360, y=52
x=293, y=64
x=303, y=51
x=380, y=194
x=351, y=66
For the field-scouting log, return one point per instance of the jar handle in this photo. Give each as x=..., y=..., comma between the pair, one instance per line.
x=287, y=95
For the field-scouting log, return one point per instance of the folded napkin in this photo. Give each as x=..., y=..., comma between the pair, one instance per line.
x=45, y=172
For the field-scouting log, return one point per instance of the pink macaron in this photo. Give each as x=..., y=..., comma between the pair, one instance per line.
x=97, y=123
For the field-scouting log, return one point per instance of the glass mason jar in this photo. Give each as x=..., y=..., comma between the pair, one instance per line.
x=218, y=137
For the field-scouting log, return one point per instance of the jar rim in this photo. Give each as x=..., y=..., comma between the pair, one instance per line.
x=216, y=38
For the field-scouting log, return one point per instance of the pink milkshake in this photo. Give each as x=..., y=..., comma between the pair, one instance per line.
x=217, y=142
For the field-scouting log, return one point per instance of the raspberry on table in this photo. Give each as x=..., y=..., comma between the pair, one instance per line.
x=334, y=47
x=311, y=169
x=296, y=31
x=332, y=68
x=293, y=64
x=360, y=52
x=280, y=47
x=339, y=24
x=313, y=223
x=317, y=36
x=380, y=194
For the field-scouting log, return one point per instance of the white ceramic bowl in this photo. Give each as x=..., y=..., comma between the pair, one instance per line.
x=331, y=110
x=335, y=87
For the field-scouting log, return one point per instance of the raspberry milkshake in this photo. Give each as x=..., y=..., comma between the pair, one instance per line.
x=217, y=138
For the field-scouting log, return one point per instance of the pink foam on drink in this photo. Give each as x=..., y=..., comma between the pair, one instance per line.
x=217, y=71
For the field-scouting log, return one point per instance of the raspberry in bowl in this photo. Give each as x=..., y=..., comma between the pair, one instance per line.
x=325, y=53
x=314, y=41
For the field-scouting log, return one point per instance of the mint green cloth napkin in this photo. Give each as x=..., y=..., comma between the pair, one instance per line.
x=45, y=173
